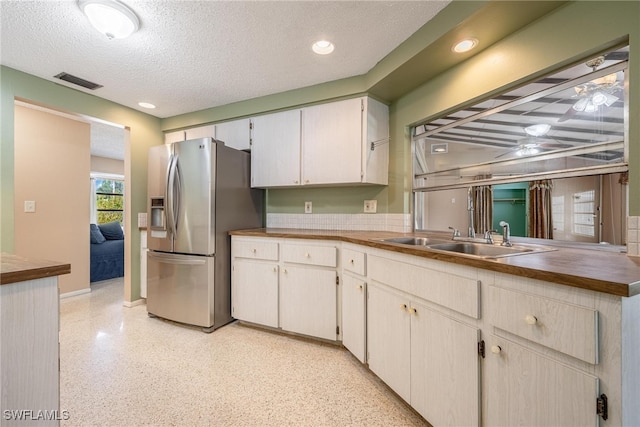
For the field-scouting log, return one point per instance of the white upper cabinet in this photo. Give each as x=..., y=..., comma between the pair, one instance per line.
x=176, y=136
x=336, y=143
x=235, y=134
x=208, y=131
x=275, y=149
x=323, y=145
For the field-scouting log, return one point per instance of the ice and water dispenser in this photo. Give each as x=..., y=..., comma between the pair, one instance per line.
x=157, y=214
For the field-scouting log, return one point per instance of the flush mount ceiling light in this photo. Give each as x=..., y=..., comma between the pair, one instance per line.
x=323, y=47
x=110, y=17
x=146, y=105
x=465, y=45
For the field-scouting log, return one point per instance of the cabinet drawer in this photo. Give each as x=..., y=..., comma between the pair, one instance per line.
x=354, y=261
x=313, y=255
x=567, y=328
x=255, y=249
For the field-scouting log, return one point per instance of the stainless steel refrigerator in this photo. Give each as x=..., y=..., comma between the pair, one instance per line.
x=198, y=190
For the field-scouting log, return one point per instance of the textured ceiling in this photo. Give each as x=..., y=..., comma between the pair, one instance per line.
x=192, y=55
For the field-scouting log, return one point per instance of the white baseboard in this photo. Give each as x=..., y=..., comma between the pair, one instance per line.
x=74, y=293
x=134, y=303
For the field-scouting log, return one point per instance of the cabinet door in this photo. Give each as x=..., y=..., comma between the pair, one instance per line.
x=254, y=292
x=275, y=150
x=524, y=388
x=332, y=143
x=353, y=315
x=208, y=131
x=171, y=137
x=445, y=374
x=235, y=134
x=388, y=338
x=308, y=301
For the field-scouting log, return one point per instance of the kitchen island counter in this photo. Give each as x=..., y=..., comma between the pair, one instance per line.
x=606, y=271
x=14, y=268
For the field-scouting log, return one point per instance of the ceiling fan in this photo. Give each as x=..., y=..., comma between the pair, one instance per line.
x=594, y=94
x=535, y=142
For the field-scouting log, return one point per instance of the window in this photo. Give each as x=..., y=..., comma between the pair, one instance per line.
x=584, y=211
x=108, y=200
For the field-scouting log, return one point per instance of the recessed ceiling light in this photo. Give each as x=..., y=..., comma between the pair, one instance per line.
x=110, y=17
x=465, y=45
x=146, y=105
x=323, y=47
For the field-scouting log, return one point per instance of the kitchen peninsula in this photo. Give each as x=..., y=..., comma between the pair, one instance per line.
x=543, y=338
x=29, y=349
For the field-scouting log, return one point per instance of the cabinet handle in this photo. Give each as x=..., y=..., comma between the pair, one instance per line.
x=403, y=307
x=360, y=287
x=284, y=270
x=295, y=182
x=496, y=349
x=413, y=310
x=275, y=269
x=351, y=261
x=254, y=250
x=306, y=255
x=306, y=181
x=531, y=319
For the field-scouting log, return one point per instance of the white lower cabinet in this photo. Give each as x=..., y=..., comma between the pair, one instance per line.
x=255, y=292
x=308, y=301
x=524, y=388
x=354, y=320
x=430, y=360
x=285, y=283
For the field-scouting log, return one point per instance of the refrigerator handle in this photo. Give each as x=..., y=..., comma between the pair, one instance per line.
x=177, y=189
x=171, y=218
x=172, y=259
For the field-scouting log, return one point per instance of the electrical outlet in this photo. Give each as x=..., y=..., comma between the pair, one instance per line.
x=29, y=206
x=370, y=206
x=308, y=208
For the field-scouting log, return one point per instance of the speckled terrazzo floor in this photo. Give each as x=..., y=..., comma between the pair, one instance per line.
x=119, y=367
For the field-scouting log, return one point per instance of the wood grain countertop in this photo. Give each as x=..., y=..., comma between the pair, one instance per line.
x=14, y=268
x=605, y=271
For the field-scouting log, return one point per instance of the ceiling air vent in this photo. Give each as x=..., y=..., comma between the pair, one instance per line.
x=77, y=81
x=439, y=148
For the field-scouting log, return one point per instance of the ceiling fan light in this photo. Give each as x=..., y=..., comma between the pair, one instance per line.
x=598, y=98
x=581, y=104
x=110, y=17
x=539, y=129
x=590, y=107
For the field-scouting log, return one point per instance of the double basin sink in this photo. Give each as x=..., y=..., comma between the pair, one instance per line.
x=474, y=249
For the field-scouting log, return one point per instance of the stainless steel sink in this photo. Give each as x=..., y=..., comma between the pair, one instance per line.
x=484, y=250
x=413, y=241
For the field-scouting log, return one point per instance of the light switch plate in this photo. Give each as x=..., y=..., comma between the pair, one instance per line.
x=29, y=206
x=308, y=208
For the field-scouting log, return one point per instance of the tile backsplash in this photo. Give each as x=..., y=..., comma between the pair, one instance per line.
x=374, y=222
x=633, y=235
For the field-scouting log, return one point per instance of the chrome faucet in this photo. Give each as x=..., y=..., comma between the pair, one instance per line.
x=456, y=232
x=488, y=237
x=506, y=234
x=472, y=229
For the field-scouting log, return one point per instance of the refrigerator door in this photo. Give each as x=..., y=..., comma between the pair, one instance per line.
x=159, y=237
x=180, y=288
x=193, y=196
